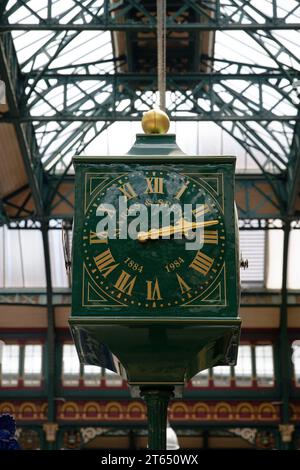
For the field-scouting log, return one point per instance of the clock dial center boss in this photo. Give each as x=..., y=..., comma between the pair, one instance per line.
x=155, y=238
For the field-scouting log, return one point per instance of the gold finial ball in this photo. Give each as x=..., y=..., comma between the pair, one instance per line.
x=155, y=121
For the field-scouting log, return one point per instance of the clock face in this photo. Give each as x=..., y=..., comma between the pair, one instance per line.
x=144, y=261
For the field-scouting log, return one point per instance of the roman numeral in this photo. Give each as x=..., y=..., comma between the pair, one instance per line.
x=181, y=191
x=202, y=263
x=201, y=210
x=183, y=286
x=95, y=239
x=127, y=190
x=125, y=283
x=153, y=292
x=211, y=237
x=155, y=185
x=105, y=262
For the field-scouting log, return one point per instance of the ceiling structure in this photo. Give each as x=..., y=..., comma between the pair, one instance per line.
x=73, y=68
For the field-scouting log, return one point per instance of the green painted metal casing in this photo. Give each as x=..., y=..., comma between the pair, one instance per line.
x=153, y=343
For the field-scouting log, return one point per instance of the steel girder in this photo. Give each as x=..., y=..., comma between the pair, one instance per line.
x=107, y=15
x=24, y=131
x=51, y=364
x=3, y=7
x=293, y=174
x=192, y=98
x=197, y=97
x=186, y=91
x=255, y=198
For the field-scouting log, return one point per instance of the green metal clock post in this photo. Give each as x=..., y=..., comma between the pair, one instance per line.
x=152, y=307
x=157, y=401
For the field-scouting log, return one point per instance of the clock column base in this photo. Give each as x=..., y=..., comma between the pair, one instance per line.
x=157, y=400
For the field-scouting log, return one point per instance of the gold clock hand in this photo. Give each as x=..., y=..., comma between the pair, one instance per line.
x=183, y=226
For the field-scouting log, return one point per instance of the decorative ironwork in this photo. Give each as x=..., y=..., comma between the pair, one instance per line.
x=88, y=434
x=248, y=434
x=260, y=224
x=232, y=348
x=244, y=224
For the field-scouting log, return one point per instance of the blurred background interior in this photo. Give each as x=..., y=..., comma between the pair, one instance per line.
x=78, y=77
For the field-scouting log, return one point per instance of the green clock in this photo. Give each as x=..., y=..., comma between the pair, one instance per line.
x=155, y=262
x=171, y=257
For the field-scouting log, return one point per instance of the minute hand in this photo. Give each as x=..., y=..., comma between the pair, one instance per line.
x=183, y=226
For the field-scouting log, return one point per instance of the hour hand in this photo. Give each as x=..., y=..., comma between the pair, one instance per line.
x=152, y=234
x=182, y=226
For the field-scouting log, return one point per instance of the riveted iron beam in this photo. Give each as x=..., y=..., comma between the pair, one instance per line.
x=3, y=7
x=111, y=26
x=149, y=78
x=293, y=173
x=50, y=329
x=111, y=117
x=262, y=204
x=185, y=15
x=285, y=366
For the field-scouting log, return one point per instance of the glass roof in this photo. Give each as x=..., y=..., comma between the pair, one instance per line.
x=52, y=60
